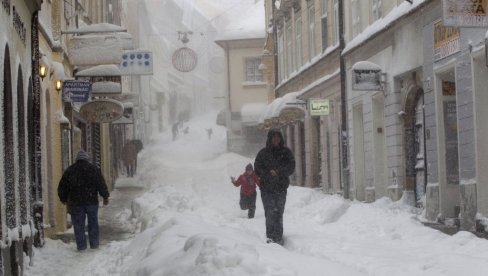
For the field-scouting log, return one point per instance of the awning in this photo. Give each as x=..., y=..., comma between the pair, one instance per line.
x=282, y=111
x=250, y=113
x=95, y=49
x=108, y=70
x=106, y=87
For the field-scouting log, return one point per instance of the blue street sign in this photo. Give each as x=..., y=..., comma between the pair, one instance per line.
x=76, y=91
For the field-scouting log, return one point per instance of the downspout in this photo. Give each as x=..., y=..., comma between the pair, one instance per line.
x=344, y=126
x=275, y=42
x=229, y=116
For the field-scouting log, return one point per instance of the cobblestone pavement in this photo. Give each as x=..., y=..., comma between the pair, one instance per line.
x=115, y=218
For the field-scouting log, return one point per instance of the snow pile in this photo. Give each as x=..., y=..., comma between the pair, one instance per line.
x=190, y=223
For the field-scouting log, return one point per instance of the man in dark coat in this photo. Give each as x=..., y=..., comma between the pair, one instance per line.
x=274, y=164
x=79, y=188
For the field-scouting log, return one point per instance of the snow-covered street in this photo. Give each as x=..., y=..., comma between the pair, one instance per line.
x=188, y=222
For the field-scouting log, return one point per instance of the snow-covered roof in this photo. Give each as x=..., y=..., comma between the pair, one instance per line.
x=106, y=87
x=250, y=113
x=246, y=22
x=365, y=65
x=95, y=49
x=97, y=28
x=106, y=70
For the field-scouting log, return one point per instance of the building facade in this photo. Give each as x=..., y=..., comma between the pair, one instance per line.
x=19, y=187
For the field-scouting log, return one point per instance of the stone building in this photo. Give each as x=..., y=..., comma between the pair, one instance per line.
x=19, y=187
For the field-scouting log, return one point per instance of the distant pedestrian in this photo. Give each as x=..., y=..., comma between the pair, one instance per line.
x=209, y=133
x=174, y=130
x=274, y=164
x=79, y=188
x=248, y=182
x=129, y=157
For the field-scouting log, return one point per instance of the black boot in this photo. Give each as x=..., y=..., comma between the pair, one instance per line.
x=250, y=213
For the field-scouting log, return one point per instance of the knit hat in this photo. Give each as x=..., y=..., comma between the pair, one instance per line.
x=82, y=155
x=249, y=166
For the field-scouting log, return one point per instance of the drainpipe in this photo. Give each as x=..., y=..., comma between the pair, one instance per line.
x=275, y=42
x=344, y=127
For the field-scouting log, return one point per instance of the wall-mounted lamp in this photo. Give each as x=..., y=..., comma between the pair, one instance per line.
x=42, y=72
x=59, y=85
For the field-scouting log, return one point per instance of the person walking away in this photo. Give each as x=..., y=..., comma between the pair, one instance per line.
x=248, y=182
x=129, y=157
x=209, y=133
x=79, y=188
x=174, y=130
x=274, y=164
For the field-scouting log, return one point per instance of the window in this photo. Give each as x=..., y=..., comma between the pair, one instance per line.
x=311, y=31
x=281, y=63
x=253, y=74
x=298, y=42
x=376, y=9
x=355, y=17
x=336, y=22
x=289, y=53
x=323, y=26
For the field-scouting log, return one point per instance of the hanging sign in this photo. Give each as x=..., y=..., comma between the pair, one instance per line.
x=185, y=59
x=76, y=91
x=465, y=13
x=366, y=76
x=319, y=107
x=102, y=111
x=136, y=63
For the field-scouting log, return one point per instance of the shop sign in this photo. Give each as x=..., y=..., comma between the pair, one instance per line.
x=366, y=79
x=446, y=41
x=465, y=13
x=102, y=111
x=76, y=91
x=136, y=63
x=319, y=107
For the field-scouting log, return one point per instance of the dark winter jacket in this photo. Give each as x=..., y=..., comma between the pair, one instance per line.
x=248, y=183
x=278, y=158
x=81, y=183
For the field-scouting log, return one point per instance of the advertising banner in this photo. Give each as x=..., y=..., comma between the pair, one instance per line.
x=446, y=41
x=465, y=13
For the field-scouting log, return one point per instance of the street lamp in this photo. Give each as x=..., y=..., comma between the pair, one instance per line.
x=42, y=72
x=59, y=85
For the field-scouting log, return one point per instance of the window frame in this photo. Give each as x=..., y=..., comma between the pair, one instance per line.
x=254, y=75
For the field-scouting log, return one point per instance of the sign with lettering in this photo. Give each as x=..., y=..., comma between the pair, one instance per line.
x=319, y=107
x=76, y=91
x=465, y=13
x=102, y=111
x=446, y=41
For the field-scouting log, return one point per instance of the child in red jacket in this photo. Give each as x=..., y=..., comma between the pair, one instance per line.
x=248, y=182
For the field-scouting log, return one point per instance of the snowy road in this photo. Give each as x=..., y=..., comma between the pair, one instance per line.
x=189, y=223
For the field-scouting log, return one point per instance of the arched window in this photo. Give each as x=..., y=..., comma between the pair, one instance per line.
x=8, y=146
x=22, y=144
